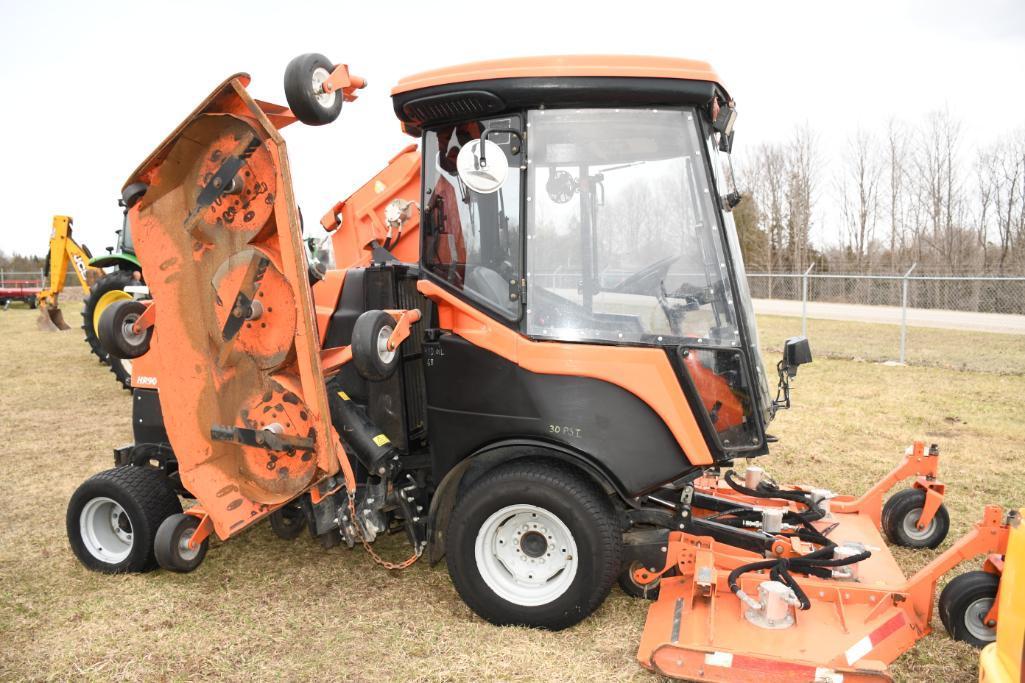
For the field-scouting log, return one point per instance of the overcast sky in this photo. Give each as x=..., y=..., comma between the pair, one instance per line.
x=89, y=88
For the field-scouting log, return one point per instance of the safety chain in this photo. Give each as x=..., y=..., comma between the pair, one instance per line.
x=373, y=555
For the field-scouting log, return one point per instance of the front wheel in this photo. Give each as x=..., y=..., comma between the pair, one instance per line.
x=533, y=544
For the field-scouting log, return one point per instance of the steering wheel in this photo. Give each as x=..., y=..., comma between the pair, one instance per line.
x=647, y=280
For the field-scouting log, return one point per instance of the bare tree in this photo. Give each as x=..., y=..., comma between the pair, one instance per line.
x=802, y=168
x=859, y=196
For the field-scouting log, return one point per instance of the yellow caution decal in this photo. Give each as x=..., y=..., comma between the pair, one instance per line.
x=344, y=396
x=381, y=439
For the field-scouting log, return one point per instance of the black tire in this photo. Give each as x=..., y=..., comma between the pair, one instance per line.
x=901, y=512
x=288, y=522
x=372, y=362
x=31, y=303
x=146, y=500
x=635, y=590
x=576, y=503
x=964, y=603
x=112, y=281
x=300, y=94
x=170, y=548
x=114, y=330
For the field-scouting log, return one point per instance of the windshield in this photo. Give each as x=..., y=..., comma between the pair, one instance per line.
x=623, y=244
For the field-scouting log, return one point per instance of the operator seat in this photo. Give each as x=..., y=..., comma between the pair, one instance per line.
x=492, y=287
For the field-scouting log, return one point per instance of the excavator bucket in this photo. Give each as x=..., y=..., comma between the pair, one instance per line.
x=234, y=343
x=51, y=320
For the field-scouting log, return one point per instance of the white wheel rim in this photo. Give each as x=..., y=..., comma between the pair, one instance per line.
x=526, y=555
x=975, y=620
x=911, y=526
x=324, y=99
x=128, y=332
x=106, y=530
x=383, y=335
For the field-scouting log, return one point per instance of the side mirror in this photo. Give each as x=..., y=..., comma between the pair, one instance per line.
x=796, y=352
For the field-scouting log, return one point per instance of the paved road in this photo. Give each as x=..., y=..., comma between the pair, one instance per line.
x=917, y=317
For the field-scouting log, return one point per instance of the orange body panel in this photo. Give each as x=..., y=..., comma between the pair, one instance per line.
x=360, y=220
x=644, y=372
x=557, y=66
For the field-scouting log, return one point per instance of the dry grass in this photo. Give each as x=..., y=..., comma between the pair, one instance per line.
x=261, y=608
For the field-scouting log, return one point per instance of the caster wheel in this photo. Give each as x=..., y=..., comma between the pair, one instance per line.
x=630, y=586
x=115, y=330
x=171, y=546
x=288, y=522
x=113, y=518
x=900, y=518
x=374, y=362
x=964, y=604
x=304, y=80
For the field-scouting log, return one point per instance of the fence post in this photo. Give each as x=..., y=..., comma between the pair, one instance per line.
x=804, y=301
x=1, y=277
x=904, y=311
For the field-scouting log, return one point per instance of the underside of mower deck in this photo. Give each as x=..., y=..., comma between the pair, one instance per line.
x=534, y=355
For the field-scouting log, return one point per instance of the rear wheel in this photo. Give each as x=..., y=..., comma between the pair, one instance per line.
x=108, y=289
x=964, y=604
x=288, y=522
x=533, y=544
x=113, y=518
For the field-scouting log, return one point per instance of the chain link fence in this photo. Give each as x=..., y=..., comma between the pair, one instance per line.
x=907, y=317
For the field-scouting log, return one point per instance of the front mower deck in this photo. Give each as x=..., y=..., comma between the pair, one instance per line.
x=855, y=626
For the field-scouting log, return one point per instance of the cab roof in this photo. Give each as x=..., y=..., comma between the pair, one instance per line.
x=490, y=88
x=559, y=66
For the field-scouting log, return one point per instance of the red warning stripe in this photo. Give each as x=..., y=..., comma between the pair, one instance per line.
x=890, y=627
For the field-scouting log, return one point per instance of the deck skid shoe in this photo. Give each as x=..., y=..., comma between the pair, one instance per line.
x=823, y=599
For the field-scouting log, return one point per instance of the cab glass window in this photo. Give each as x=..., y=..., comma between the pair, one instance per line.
x=472, y=240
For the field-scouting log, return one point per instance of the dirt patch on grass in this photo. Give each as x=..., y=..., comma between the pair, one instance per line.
x=262, y=608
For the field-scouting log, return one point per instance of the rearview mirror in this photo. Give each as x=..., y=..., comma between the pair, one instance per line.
x=796, y=352
x=483, y=166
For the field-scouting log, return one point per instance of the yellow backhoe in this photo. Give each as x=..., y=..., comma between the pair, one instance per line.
x=63, y=250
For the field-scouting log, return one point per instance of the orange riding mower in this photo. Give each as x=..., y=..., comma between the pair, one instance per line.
x=535, y=355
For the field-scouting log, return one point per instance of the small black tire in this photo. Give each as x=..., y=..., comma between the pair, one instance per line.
x=135, y=500
x=900, y=515
x=32, y=303
x=115, y=330
x=171, y=544
x=288, y=522
x=303, y=77
x=373, y=361
x=629, y=584
x=963, y=606
x=568, y=511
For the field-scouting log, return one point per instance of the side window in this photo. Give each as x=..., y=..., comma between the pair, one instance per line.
x=472, y=240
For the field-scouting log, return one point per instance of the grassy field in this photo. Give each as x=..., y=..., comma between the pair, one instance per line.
x=262, y=608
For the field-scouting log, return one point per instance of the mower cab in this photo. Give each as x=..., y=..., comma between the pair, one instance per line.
x=536, y=356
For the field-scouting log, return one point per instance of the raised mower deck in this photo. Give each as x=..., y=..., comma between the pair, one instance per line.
x=855, y=626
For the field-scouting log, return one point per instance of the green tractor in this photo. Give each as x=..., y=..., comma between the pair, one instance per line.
x=122, y=274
